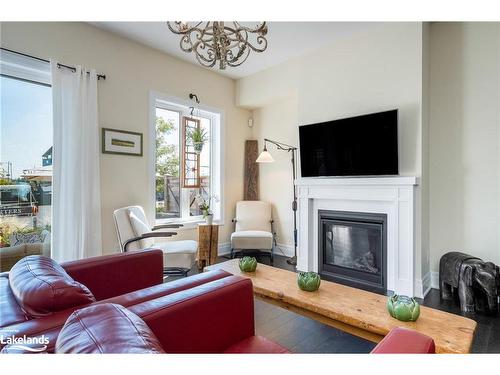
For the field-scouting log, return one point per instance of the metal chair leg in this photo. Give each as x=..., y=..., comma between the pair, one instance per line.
x=175, y=271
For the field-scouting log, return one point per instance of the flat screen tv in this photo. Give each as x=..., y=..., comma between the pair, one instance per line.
x=357, y=146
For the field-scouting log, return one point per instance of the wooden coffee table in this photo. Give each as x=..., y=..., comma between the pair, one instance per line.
x=355, y=311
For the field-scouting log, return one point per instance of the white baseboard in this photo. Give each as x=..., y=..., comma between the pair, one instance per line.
x=434, y=280
x=283, y=249
x=224, y=248
x=279, y=249
x=423, y=286
x=428, y=282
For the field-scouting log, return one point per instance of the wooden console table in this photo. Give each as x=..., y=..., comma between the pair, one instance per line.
x=208, y=243
x=352, y=310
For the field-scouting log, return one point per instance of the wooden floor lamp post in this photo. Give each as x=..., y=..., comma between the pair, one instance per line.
x=266, y=157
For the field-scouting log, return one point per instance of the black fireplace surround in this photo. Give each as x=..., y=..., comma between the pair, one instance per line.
x=353, y=249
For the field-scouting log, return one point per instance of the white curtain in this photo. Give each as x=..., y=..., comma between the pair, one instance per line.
x=76, y=201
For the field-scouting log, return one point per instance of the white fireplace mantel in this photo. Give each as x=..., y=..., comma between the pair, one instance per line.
x=393, y=196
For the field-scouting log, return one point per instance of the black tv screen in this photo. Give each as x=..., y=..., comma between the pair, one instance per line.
x=357, y=146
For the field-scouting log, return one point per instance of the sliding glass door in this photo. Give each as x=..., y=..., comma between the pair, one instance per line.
x=25, y=159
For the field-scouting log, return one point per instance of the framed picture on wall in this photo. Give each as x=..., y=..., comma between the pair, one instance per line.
x=121, y=142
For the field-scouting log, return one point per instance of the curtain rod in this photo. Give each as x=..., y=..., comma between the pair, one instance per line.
x=59, y=65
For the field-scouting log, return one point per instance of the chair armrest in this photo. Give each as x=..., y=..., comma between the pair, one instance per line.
x=405, y=341
x=113, y=275
x=223, y=308
x=147, y=235
x=167, y=226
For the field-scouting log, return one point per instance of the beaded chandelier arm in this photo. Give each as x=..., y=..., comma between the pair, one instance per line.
x=214, y=42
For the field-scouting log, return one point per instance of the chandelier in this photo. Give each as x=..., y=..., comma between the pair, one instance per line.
x=214, y=41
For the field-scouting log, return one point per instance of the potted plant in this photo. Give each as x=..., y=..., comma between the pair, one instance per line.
x=204, y=203
x=198, y=137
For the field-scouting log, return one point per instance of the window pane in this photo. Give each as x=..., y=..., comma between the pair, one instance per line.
x=204, y=189
x=25, y=169
x=176, y=190
x=168, y=202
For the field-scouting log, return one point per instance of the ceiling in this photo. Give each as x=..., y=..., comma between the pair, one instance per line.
x=286, y=40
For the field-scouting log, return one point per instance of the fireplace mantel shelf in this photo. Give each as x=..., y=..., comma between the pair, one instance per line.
x=358, y=181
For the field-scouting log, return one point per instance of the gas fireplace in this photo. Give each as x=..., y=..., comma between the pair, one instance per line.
x=353, y=249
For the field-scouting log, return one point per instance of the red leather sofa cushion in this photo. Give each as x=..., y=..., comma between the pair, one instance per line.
x=41, y=287
x=106, y=328
x=10, y=311
x=256, y=345
x=405, y=341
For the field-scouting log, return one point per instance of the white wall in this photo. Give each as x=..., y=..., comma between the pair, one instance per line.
x=131, y=71
x=465, y=140
x=425, y=179
x=374, y=70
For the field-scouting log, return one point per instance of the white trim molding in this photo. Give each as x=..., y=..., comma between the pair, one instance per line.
x=393, y=196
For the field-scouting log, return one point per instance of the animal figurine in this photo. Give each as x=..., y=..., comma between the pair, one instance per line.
x=477, y=282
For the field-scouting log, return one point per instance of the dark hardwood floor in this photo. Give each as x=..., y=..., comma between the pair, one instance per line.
x=304, y=335
x=487, y=336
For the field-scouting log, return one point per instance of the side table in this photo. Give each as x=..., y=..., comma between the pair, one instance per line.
x=208, y=243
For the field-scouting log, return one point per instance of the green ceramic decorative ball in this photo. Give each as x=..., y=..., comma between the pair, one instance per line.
x=248, y=264
x=308, y=281
x=403, y=308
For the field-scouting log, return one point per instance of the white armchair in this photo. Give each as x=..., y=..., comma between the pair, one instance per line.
x=253, y=228
x=134, y=233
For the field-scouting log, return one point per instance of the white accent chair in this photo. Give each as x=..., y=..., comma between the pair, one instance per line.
x=134, y=233
x=253, y=228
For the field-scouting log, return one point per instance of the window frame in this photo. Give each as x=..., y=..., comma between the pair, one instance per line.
x=24, y=68
x=216, y=115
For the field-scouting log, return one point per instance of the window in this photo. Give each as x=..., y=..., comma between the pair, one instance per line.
x=187, y=162
x=26, y=154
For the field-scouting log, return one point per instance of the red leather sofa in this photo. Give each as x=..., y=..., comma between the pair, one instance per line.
x=215, y=317
x=111, y=328
x=125, y=279
x=211, y=312
x=38, y=296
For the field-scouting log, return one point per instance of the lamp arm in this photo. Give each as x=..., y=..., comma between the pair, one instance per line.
x=280, y=145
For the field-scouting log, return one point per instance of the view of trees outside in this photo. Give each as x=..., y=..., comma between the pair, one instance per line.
x=172, y=201
x=167, y=154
